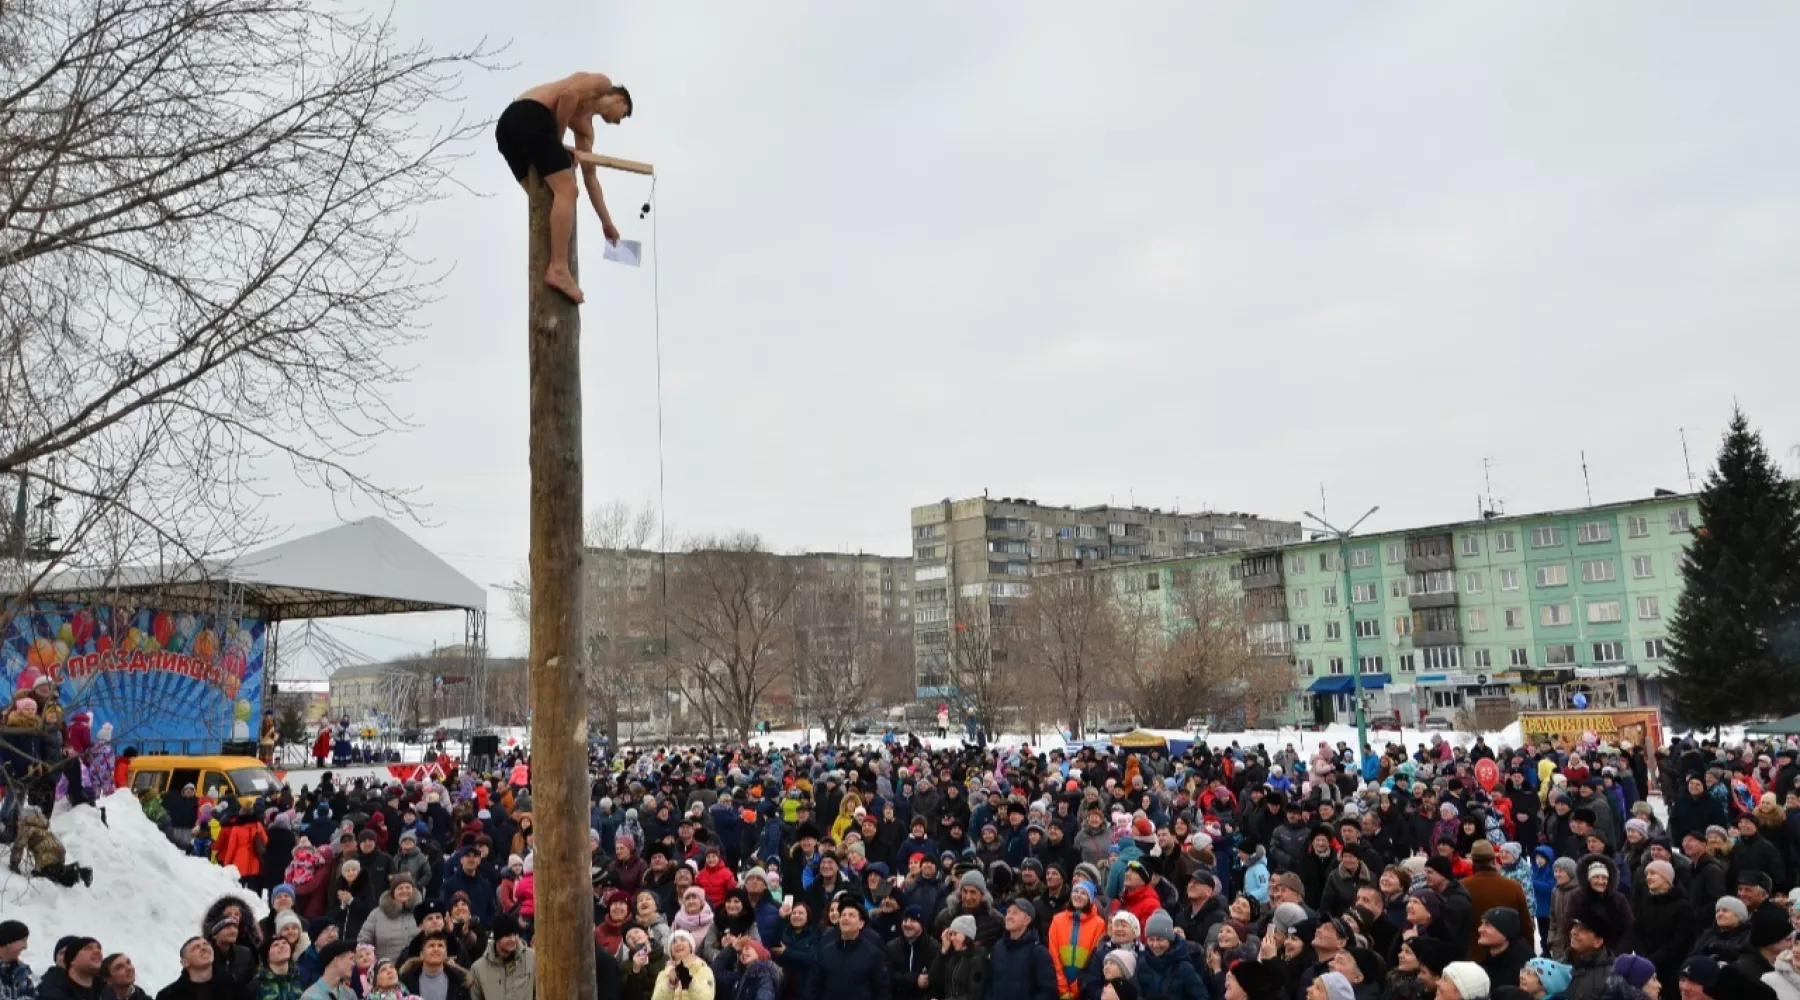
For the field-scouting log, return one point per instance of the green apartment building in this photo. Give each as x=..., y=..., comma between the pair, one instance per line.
x=1537, y=608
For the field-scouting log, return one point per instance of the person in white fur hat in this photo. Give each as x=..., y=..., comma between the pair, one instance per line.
x=1462, y=981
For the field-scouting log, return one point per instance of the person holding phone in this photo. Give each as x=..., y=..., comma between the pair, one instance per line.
x=686, y=977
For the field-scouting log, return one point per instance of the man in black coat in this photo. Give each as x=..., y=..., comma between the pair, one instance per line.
x=1756, y=853
x=853, y=967
x=910, y=956
x=1499, y=937
x=1019, y=967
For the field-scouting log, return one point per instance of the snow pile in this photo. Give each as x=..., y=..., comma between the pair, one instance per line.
x=147, y=897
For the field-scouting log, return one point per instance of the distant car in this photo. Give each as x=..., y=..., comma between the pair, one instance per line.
x=1113, y=727
x=1385, y=723
x=863, y=727
x=1436, y=724
x=1197, y=725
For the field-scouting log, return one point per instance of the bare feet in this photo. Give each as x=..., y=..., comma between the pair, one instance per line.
x=560, y=279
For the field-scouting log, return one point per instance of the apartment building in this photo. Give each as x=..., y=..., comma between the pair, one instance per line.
x=1536, y=607
x=986, y=548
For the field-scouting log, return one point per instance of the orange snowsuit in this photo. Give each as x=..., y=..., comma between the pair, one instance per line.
x=1073, y=940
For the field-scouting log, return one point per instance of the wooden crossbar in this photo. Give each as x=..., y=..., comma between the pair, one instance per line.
x=611, y=162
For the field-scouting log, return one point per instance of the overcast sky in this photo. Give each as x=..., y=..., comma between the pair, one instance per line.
x=1203, y=255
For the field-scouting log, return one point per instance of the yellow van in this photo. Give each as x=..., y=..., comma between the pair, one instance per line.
x=245, y=777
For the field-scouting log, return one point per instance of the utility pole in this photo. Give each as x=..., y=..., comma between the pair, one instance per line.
x=1343, y=540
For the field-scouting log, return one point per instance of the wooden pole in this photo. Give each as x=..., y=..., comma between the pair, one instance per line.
x=564, y=936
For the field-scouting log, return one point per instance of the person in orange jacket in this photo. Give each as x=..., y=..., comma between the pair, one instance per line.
x=1075, y=934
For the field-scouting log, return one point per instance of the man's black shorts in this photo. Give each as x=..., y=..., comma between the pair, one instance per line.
x=528, y=136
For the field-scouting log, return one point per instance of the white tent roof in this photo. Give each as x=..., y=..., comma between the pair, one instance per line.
x=367, y=567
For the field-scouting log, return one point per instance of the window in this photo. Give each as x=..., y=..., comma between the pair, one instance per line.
x=1642, y=567
x=924, y=616
x=1504, y=541
x=1307, y=665
x=1678, y=521
x=1509, y=579
x=1637, y=526
x=1302, y=633
x=1649, y=607
x=924, y=573
x=1335, y=664
x=1115, y=530
x=1409, y=662
x=1446, y=698
x=1546, y=538
x=1328, y=596
x=1442, y=657
x=1396, y=553
x=1589, y=532
x=1368, y=628
x=1599, y=612
x=1597, y=571
x=1333, y=631
x=1296, y=564
x=1678, y=561
x=1152, y=581
x=1562, y=655
x=1515, y=617
x=1483, y=658
x=1435, y=620
x=1478, y=621
x=1360, y=558
x=1326, y=562
x=1363, y=593
x=1472, y=583
x=1297, y=599
x=1554, y=614
x=1609, y=652
x=1370, y=665
x=1471, y=545
x=1403, y=625
x=1655, y=650
x=1086, y=531
x=1519, y=656
x=1556, y=575
x=1436, y=582
x=1398, y=589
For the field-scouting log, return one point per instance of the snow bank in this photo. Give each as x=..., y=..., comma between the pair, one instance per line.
x=147, y=897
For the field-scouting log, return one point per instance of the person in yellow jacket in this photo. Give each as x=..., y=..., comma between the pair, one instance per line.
x=686, y=977
x=847, y=819
x=1075, y=934
x=1546, y=768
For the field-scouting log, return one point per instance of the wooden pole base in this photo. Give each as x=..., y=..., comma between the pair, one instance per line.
x=564, y=934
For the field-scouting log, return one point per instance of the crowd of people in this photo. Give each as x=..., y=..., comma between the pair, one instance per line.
x=901, y=872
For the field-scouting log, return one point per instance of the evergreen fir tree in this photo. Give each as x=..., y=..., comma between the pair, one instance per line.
x=1732, y=652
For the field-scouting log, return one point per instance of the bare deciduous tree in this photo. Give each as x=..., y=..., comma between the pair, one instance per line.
x=976, y=661
x=205, y=208
x=845, y=652
x=730, y=606
x=1201, y=662
x=1071, y=633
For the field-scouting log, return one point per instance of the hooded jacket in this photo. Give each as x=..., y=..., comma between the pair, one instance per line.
x=1019, y=969
x=495, y=978
x=389, y=928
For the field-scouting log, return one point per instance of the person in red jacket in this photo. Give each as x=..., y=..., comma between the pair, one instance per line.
x=1139, y=898
x=322, y=746
x=715, y=878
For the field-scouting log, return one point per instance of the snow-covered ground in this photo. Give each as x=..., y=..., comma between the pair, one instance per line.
x=147, y=897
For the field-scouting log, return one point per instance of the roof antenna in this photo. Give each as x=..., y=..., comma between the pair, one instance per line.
x=1322, y=511
x=1685, y=460
x=1584, y=478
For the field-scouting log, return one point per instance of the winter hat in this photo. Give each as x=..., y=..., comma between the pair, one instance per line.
x=1289, y=881
x=1288, y=916
x=1481, y=850
x=1337, y=987
x=1124, y=959
x=1761, y=880
x=1128, y=917
x=286, y=917
x=1634, y=969
x=1600, y=869
x=334, y=951
x=1769, y=925
x=1433, y=954
x=964, y=925
x=1433, y=903
x=284, y=889
x=1087, y=889
x=973, y=879
x=507, y=925
x=1735, y=906
x=1553, y=974
x=914, y=913
x=12, y=932
x=530, y=863
x=1469, y=979
x=1568, y=865
x=1260, y=979
x=1504, y=920
x=1663, y=868
x=1442, y=866
x=105, y=734
x=1160, y=925
x=1024, y=906
x=757, y=872
x=1641, y=828
x=1702, y=969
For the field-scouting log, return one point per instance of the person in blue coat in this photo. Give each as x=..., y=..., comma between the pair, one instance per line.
x=1166, y=969
x=465, y=876
x=851, y=966
x=1019, y=967
x=1255, y=863
x=1543, y=890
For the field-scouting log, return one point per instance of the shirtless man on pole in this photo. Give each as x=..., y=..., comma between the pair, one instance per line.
x=530, y=134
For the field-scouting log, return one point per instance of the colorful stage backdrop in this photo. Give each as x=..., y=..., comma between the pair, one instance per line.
x=168, y=681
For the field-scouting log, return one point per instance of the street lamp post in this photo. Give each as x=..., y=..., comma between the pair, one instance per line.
x=1343, y=540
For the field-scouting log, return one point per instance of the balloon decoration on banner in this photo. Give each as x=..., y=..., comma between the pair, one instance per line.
x=1579, y=701
x=1487, y=773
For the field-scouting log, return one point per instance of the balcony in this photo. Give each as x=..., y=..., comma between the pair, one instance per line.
x=1429, y=553
x=1450, y=636
x=1419, y=602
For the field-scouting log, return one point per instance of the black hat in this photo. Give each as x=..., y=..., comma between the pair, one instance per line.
x=1584, y=814
x=1593, y=921
x=1261, y=980
x=1768, y=925
x=1702, y=969
x=1731, y=984
x=1761, y=880
x=335, y=950
x=12, y=932
x=806, y=830
x=1504, y=920
x=62, y=945
x=1441, y=865
x=430, y=907
x=505, y=925
x=1434, y=954
x=1371, y=966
